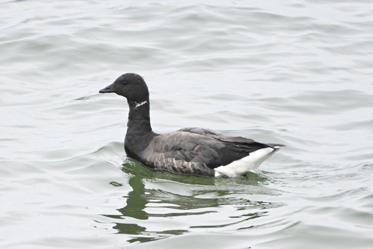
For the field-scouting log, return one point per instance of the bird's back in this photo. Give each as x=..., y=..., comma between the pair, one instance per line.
x=195, y=151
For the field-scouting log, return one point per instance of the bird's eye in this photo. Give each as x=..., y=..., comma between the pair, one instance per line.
x=121, y=82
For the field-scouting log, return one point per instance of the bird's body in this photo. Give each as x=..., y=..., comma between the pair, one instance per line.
x=194, y=151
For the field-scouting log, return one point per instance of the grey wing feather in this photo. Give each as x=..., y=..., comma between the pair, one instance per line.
x=200, y=131
x=196, y=151
x=182, y=152
x=234, y=148
x=217, y=136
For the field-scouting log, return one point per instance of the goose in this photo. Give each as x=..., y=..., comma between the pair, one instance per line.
x=191, y=151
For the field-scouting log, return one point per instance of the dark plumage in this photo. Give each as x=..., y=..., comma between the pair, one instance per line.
x=194, y=151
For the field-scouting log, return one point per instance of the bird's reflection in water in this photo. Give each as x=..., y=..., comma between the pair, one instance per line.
x=175, y=196
x=135, y=205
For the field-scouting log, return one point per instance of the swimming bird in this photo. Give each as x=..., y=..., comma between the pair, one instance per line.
x=193, y=151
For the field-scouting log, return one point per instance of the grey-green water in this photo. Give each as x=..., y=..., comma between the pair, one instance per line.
x=296, y=72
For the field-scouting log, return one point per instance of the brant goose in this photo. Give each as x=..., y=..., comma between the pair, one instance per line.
x=194, y=151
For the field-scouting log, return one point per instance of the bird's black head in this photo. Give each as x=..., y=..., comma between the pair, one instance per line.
x=131, y=86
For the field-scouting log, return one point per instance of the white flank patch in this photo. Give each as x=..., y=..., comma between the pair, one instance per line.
x=240, y=167
x=141, y=103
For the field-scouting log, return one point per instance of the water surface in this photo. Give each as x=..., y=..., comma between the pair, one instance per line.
x=295, y=72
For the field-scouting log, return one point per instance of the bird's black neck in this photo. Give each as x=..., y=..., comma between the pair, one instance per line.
x=139, y=118
x=139, y=131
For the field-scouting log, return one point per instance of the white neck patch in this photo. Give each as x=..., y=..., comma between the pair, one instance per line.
x=140, y=104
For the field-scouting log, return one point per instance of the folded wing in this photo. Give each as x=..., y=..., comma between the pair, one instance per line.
x=197, y=151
